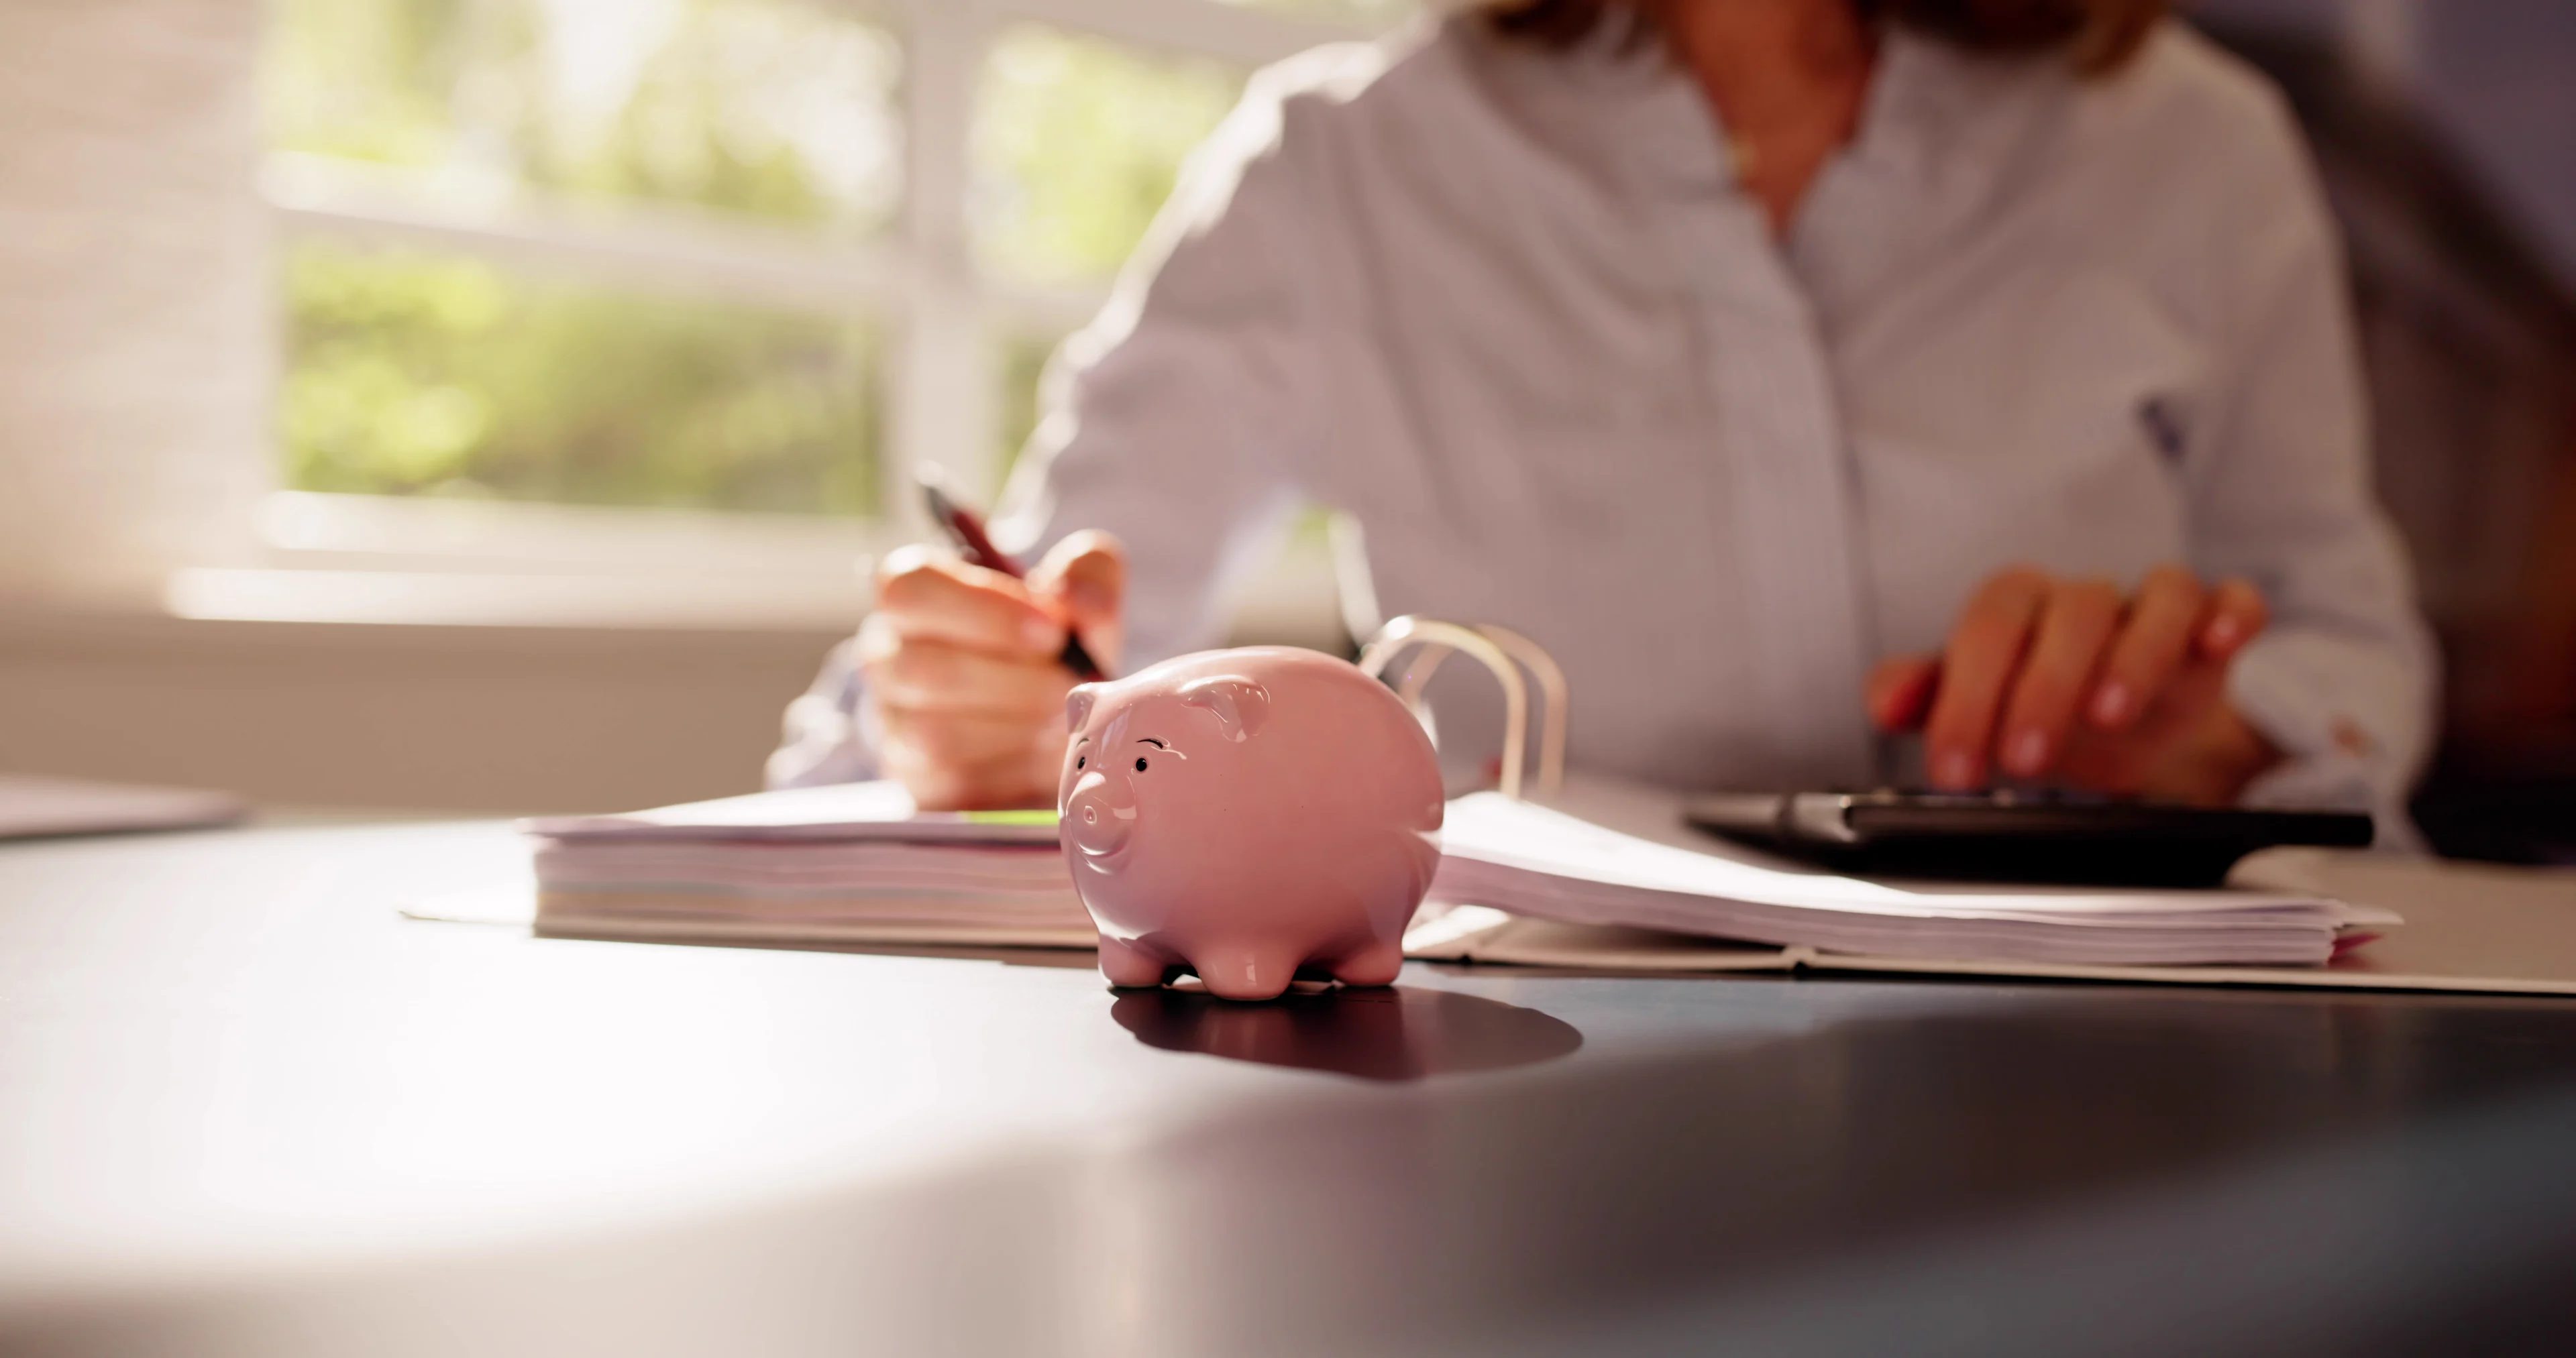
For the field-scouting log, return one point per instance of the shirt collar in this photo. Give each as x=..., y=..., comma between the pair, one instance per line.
x=1922, y=111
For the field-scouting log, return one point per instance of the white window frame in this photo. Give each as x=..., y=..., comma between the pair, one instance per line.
x=941, y=320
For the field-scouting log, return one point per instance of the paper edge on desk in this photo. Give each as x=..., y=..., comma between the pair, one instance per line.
x=904, y=935
x=1481, y=934
x=519, y=906
x=511, y=905
x=2314, y=978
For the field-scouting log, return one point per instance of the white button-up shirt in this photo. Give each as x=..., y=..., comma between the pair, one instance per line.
x=1506, y=308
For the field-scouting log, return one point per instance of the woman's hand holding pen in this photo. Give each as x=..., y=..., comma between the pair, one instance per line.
x=2045, y=678
x=965, y=686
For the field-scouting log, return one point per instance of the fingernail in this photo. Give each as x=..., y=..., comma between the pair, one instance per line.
x=2111, y=705
x=2028, y=753
x=1953, y=768
x=2222, y=631
x=1039, y=634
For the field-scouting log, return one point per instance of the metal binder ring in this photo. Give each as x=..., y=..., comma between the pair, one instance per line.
x=1552, y=701
x=1498, y=649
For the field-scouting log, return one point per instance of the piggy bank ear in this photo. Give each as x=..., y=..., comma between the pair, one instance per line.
x=1240, y=705
x=1077, y=707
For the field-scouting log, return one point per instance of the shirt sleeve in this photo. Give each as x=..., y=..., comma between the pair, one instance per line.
x=820, y=741
x=1175, y=420
x=2281, y=494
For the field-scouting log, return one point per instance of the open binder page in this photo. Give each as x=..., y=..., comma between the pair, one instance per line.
x=1636, y=872
x=2478, y=928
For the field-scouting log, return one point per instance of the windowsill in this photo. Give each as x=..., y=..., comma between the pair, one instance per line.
x=368, y=562
x=1292, y=602
x=305, y=530
x=714, y=603
x=384, y=561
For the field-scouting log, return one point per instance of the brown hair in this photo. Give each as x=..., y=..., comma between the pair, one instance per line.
x=2096, y=35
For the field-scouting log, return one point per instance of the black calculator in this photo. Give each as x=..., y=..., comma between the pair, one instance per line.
x=2016, y=836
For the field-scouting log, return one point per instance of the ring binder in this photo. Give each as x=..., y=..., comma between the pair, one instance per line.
x=1505, y=653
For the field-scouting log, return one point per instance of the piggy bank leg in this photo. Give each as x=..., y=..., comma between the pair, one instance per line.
x=1376, y=964
x=1128, y=965
x=1245, y=973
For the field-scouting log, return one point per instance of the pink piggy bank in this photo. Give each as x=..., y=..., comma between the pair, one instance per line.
x=1247, y=814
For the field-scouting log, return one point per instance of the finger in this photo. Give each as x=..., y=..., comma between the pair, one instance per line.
x=1900, y=692
x=2075, y=629
x=2234, y=615
x=2150, y=646
x=968, y=740
x=1984, y=651
x=926, y=593
x=933, y=676
x=1085, y=578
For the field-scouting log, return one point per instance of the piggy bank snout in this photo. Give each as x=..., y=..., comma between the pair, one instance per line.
x=1100, y=815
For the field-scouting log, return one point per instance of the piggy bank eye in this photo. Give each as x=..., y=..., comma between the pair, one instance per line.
x=1079, y=759
x=1140, y=763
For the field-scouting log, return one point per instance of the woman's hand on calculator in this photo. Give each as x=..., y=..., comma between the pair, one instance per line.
x=2070, y=680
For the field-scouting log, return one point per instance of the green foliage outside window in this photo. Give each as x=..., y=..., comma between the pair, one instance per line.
x=1076, y=143
x=434, y=373
x=411, y=373
x=780, y=109
x=415, y=373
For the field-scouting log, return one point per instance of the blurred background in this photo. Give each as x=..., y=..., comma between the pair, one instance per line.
x=482, y=405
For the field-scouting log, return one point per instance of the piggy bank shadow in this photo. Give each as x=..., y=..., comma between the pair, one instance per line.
x=1390, y=1033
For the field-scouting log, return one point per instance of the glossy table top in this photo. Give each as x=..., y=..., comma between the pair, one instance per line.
x=246, y=1108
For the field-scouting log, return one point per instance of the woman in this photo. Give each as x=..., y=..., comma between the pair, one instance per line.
x=1788, y=368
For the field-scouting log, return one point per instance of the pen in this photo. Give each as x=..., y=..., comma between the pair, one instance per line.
x=967, y=531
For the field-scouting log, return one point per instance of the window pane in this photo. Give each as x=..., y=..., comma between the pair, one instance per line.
x=1076, y=142
x=411, y=373
x=774, y=108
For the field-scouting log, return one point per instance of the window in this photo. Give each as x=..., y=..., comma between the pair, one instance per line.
x=442, y=372
x=749, y=258
x=416, y=373
x=764, y=108
x=1076, y=144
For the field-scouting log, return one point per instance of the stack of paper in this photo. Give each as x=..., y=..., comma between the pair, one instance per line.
x=850, y=864
x=857, y=864
x=1531, y=860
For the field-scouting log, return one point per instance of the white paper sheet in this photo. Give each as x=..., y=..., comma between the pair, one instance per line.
x=1629, y=863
